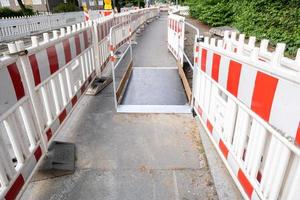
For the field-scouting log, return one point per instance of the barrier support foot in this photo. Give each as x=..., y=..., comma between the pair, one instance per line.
x=59, y=161
x=98, y=85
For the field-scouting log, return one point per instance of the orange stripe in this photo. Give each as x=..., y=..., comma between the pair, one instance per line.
x=223, y=148
x=203, y=59
x=111, y=48
x=35, y=69
x=86, y=40
x=49, y=134
x=62, y=116
x=215, y=67
x=38, y=153
x=16, y=79
x=209, y=126
x=297, y=140
x=77, y=44
x=15, y=188
x=52, y=58
x=196, y=60
x=263, y=94
x=259, y=176
x=245, y=183
x=199, y=111
x=67, y=50
x=112, y=58
x=233, y=78
x=74, y=100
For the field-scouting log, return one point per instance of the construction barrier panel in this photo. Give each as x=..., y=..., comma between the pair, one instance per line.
x=14, y=28
x=40, y=87
x=20, y=143
x=247, y=98
x=176, y=36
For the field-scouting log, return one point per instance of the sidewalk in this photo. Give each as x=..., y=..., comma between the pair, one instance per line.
x=130, y=156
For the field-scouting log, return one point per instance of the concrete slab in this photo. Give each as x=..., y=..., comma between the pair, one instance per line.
x=129, y=156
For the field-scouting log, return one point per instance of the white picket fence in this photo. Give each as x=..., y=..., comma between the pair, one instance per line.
x=181, y=10
x=15, y=28
x=41, y=85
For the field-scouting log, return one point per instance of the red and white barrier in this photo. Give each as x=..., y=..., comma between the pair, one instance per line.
x=20, y=143
x=40, y=86
x=249, y=108
x=176, y=36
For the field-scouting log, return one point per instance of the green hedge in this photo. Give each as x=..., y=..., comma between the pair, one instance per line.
x=7, y=12
x=65, y=7
x=276, y=20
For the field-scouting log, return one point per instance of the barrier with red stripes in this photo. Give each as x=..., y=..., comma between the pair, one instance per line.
x=21, y=145
x=41, y=85
x=249, y=107
x=60, y=68
x=176, y=36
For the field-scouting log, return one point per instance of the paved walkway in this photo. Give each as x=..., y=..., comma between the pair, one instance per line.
x=129, y=156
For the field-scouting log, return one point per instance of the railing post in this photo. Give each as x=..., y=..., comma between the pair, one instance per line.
x=96, y=47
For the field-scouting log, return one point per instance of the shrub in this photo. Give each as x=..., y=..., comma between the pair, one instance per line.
x=276, y=20
x=65, y=7
x=7, y=12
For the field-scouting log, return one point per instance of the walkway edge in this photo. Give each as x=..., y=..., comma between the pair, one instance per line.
x=225, y=187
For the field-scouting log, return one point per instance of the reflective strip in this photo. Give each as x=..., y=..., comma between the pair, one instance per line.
x=216, y=66
x=62, y=116
x=263, y=94
x=223, y=148
x=16, y=80
x=8, y=96
x=74, y=100
x=298, y=134
x=67, y=50
x=203, y=59
x=53, y=60
x=209, y=126
x=77, y=44
x=35, y=69
x=26, y=171
x=49, y=134
x=86, y=40
x=233, y=77
x=15, y=188
x=248, y=188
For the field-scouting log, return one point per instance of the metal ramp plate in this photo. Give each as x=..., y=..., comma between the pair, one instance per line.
x=154, y=90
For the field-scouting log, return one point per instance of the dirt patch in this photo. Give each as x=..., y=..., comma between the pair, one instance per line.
x=144, y=169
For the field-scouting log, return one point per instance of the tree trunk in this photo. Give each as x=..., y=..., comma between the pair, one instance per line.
x=22, y=6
